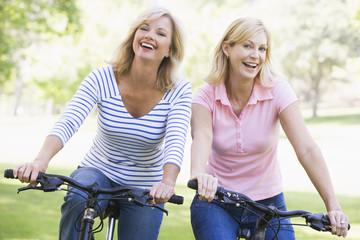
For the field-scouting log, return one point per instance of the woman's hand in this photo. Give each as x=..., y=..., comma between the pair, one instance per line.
x=161, y=193
x=28, y=172
x=339, y=222
x=207, y=186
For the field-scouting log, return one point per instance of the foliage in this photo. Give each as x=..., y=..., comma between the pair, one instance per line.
x=24, y=22
x=316, y=38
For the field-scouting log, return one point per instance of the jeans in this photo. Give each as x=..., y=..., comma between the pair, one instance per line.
x=135, y=222
x=216, y=221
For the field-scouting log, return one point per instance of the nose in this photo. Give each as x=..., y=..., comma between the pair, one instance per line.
x=255, y=53
x=149, y=35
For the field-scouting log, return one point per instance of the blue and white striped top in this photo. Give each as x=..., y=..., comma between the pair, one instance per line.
x=130, y=151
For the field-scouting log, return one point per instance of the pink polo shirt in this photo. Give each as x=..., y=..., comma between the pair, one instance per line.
x=244, y=148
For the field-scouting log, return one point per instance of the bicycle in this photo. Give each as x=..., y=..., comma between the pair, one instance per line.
x=139, y=196
x=317, y=221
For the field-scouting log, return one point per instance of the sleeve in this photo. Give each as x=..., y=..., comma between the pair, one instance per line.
x=177, y=124
x=284, y=95
x=205, y=96
x=77, y=109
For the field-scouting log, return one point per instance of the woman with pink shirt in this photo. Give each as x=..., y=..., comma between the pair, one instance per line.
x=236, y=118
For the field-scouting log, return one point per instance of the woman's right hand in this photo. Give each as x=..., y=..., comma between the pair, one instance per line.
x=28, y=172
x=207, y=186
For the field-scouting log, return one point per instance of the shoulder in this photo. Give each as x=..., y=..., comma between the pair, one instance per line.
x=207, y=90
x=281, y=87
x=182, y=86
x=101, y=73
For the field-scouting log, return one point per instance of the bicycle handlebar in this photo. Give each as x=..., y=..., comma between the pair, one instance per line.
x=51, y=182
x=317, y=221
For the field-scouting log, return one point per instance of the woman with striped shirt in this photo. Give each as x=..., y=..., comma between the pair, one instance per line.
x=143, y=117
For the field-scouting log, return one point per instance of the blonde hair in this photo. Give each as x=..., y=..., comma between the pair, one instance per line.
x=124, y=54
x=239, y=31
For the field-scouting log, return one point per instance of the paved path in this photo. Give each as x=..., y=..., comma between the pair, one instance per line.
x=21, y=138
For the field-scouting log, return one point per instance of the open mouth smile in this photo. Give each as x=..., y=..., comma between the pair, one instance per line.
x=147, y=46
x=250, y=65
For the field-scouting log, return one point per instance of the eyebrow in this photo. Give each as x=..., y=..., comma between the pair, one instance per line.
x=262, y=44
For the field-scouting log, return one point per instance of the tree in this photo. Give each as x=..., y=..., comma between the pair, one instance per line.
x=25, y=22
x=314, y=37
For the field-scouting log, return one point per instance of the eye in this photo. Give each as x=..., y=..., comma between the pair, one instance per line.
x=162, y=34
x=262, y=49
x=247, y=46
x=143, y=28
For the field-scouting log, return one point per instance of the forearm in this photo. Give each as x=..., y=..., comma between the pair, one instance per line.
x=315, y=167
x=199, y=157
x=51, y=146
x=171, y=172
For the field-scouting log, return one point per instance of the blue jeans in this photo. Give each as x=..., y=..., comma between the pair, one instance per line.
x=135, y=222
x=216, y=221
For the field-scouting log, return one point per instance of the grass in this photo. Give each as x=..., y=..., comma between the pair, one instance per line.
x=35, y=214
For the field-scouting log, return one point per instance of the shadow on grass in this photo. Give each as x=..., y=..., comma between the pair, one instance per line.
x=344, y=119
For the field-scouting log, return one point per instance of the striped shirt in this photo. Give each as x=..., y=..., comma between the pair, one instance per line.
x=130, y=151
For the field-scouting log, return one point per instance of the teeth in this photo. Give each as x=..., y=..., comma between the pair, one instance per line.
x=147, y=45
x=251, y=64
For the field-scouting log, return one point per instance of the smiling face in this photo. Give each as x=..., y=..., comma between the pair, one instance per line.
x=246, y=58
x=152, y=39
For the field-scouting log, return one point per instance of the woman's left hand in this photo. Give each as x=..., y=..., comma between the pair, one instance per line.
x=161, y=193
x=339, y=222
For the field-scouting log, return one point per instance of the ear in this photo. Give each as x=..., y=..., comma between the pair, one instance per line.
x=225, y=48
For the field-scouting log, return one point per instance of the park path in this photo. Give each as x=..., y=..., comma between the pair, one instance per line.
x=21, y=138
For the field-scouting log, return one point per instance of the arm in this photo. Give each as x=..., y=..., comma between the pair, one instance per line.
x=202, y=135
x=175, y=139
x=28, y=172
x=312, y=160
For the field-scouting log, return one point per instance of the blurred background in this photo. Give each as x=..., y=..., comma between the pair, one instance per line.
x=48, y=47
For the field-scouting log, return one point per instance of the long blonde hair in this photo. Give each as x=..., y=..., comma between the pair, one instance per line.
x=124, y=55
x=239, y=31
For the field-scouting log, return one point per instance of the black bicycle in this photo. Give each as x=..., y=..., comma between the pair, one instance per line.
x=139, y=196
x=317, y=221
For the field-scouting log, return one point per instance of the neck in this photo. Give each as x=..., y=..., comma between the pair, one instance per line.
x=143, y=74
x=239, y=90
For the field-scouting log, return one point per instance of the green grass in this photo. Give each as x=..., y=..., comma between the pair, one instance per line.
x=35, y=214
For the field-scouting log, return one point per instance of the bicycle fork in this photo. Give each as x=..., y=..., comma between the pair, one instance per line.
x=87, y=222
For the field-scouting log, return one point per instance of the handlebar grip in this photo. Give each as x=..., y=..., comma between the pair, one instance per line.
x=192, y=184
x=176, y=199
x=9, y=173
x=326, y=221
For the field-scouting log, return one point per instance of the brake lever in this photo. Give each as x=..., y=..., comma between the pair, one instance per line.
x=142, y=198
x=47, y=184
x=29, y=187
x=230, y=199
x=317, y=222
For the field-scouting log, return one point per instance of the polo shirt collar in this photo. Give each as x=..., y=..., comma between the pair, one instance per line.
x=259, y=93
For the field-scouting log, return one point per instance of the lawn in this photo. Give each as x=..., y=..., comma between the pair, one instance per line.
x=35, y=214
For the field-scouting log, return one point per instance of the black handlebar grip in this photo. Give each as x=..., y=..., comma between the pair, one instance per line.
x=192, y=184
x=176, y=199
x=326, y=221
x=9, y=173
